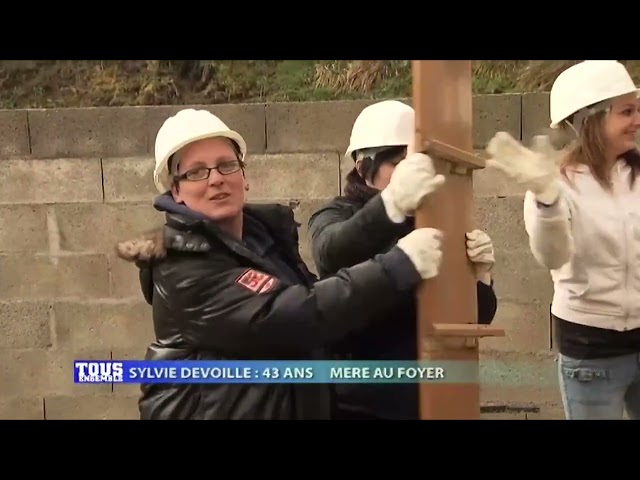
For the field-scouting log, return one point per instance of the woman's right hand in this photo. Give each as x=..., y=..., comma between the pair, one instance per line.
x=423, y=246
x=412, y=180
x=534, y=169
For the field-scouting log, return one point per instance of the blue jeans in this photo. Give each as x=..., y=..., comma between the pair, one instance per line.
x=600, y=389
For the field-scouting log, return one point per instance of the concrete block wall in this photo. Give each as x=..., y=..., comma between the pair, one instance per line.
x=75, y=181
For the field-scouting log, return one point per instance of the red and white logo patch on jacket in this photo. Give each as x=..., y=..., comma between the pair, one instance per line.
x=257, y=281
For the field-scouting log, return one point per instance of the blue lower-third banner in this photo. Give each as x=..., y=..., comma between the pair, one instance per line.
x=263, y=371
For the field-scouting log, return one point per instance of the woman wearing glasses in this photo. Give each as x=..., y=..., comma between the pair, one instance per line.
x=226, y=281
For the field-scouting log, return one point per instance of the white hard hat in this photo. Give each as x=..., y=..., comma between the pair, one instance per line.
x=187, y=126
x=386, y=123
x=586, y=84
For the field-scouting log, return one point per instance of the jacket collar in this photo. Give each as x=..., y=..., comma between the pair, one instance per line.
x=182, y=221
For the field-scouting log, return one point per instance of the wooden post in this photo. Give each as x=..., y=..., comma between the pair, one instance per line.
x=447, y=305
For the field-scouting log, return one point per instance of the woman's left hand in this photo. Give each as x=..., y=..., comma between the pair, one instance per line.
x=480, y=252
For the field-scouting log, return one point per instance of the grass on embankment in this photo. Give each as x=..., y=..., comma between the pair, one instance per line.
x=41, y=84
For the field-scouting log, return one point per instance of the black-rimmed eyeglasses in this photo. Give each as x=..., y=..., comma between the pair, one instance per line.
x=202, y=173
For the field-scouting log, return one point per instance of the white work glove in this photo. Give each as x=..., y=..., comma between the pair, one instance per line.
x=412, y=180
x=480, y=252
x=423, y=247
x=535, y=169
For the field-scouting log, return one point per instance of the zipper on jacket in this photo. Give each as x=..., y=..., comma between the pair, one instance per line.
x=625, y=234
x=628, y=268
x=626, y=278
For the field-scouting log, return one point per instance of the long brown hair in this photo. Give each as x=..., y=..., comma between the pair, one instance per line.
x=590, y=151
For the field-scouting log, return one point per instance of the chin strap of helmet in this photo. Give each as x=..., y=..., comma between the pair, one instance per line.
x=373, y=158
x=371, y=161
x=580, y=116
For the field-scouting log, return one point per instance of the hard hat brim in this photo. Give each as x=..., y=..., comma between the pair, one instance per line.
x=555, y=125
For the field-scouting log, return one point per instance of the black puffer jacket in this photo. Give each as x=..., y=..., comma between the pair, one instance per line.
x=203, y=310
x=349, y=230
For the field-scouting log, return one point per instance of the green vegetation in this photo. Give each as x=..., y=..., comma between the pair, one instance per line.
x=42, y=84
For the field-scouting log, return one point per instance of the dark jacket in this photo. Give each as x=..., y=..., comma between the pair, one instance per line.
x=204, y=308
x=349, y=230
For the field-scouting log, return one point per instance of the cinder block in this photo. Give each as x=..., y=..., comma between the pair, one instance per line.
x=24, y=324
x=50, y=181
x=131, y=131
x=491, y=114
x=23, y=373
x=104, y=324
x=311, y=126
x=27, y=277
x=98, y=407
x=60, y=371
x=124, y=281
x=535, y=115
x=97, y=227
x=490, y=182
x=526, y=326
x=502, y=219
x=324, y=126
x=247, y=119
x=88, y=132
x=519, y=278
x=293, y=176
x=24, y=229
x=37, y=277
x=82, y=276
x=33, y=373
x=22, y=408
x=511, y=369
x=494, y=113
x=129, y=179
x=128, y=389
x=14, y=131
